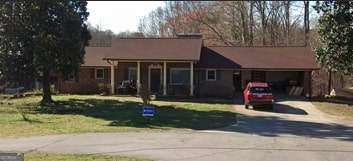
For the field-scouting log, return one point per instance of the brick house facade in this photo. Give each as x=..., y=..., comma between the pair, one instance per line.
x=184, y=66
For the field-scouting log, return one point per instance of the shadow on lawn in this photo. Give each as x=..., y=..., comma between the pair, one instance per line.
x=129, y=114
x=197, y=100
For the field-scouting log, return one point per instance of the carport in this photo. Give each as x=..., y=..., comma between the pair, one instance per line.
x=284, y=68
x=281, y=81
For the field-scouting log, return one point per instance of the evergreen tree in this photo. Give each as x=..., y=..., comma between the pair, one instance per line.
x=50, y=36
x=336, y=33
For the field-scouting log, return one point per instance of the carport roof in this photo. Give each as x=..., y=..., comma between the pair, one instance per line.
x=271, y=58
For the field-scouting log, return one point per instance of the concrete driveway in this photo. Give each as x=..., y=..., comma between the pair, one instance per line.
x=294, y=118
x=295, y=130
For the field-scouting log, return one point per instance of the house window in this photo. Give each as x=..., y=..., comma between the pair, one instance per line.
x=70, y=77
x=179, y=76
x=99, y=73
x=211, y=75
x=132, y=75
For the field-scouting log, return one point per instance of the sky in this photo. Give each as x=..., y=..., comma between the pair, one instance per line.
x=121, y=15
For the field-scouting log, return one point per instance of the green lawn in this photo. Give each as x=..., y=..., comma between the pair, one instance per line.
x=67, y=157
x=91, y=113
x=338, y=109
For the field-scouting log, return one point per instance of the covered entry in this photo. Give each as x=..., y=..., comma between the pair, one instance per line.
x=151, y=61
x=155, y=78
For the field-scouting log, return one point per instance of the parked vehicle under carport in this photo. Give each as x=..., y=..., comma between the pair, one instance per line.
x=258, y=94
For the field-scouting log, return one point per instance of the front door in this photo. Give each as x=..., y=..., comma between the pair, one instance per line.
x=155, y=80
x=237, y=81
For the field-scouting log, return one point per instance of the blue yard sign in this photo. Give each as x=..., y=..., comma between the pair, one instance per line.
x=148, y=111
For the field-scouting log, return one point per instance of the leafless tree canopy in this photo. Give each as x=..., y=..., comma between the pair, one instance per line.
x=103, y=38
x=239, y=23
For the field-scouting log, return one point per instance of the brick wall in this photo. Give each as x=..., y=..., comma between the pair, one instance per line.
x=221, y=87
x=85, y=82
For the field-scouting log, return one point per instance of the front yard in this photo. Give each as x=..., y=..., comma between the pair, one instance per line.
x=341, y=107
x=344, y=111
x=91, y=113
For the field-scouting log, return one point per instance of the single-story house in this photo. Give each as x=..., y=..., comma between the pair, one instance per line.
x=185, y=66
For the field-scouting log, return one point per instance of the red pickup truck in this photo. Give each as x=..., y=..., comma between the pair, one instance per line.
x=257, y=93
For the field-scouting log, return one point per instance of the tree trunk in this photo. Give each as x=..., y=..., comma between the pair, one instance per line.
x=251, y=23
x=46, y=88
x=287, y=21
x=306, y=22
x=329, y=81
x=244, y=23
x=263, y=21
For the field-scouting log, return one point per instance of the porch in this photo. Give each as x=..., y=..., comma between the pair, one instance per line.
x=160, y=77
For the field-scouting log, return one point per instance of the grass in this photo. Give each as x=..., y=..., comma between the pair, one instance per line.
x=70, y=157
x=342, y=110
x=91, y=113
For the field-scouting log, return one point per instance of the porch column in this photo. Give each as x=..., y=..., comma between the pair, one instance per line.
x=164, y=78
x=112, y=77
x=191, y=78
x=138, y=84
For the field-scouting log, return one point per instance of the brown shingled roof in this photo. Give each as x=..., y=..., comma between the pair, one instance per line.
x=173, y=49
x=94, y=56
x=258, y=57
x=154, y=49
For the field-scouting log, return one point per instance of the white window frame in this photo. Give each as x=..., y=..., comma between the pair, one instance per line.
x=96, y=72
x=215, y=74
x=129, y=72
x=71, y=79
x=170, y=75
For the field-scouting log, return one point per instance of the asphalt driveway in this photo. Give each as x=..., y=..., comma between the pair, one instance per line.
x=295, y=130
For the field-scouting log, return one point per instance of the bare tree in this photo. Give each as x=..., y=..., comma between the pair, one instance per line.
x=306, y=22
x=252, y=25
x=261, y=7
x=287, y=21
x=230, y=23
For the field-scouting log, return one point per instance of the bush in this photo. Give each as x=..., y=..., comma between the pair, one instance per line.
x=145, y=95
x=24, y=113
x=24, y=109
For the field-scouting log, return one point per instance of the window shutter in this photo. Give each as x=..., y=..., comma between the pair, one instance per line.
x=65, y=76
x=203, y=74
x=106, y=74
x=77, y=74
x=218, y=75
x=92, y=73
x=126, y=74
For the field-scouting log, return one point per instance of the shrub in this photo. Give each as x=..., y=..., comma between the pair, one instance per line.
x=24, y=109
x=24, y=113
x=145, y=95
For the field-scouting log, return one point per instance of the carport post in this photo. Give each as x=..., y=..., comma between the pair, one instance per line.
x=112, y=77
x=138, y=78
x=191, y=78
x=164, y=78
